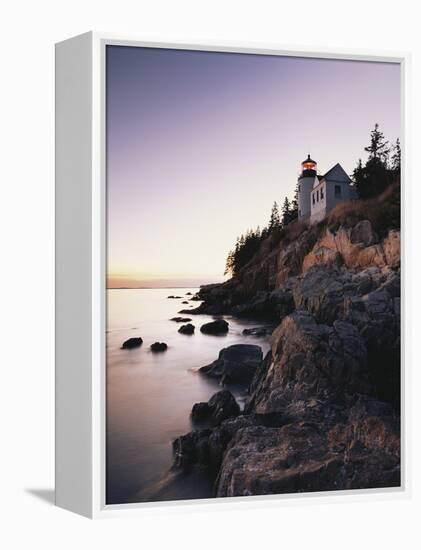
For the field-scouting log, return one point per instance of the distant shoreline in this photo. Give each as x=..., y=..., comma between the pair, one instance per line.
x=150, y=287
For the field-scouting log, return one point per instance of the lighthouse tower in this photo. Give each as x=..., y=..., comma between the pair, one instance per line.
x=305, y=186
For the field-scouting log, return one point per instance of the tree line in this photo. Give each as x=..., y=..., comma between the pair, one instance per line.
x=381, y=169
x=248, y=243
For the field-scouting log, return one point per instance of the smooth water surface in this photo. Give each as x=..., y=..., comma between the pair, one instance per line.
x=150, y=395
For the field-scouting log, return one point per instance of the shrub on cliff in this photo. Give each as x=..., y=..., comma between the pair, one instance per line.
x=382, y=211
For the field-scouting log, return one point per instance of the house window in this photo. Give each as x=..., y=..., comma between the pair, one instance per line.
x=322, y=195
x=317, y=195
x=337, y=192
x=314, y=198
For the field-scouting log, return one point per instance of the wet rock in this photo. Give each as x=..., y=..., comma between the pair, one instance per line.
x=193, y=311
x=159, y=346
x=221, y=406
x=181, y=319
x=186, y=329
x=255, y=331
x=185, y=302
x=132, y=343
x=235, y=364
x=174, y=297
x=220, y=326
x=191, y=449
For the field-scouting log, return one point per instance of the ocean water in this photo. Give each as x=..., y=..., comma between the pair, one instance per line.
x=150, y=395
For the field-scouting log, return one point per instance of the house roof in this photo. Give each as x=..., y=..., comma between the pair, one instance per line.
x=337, y=173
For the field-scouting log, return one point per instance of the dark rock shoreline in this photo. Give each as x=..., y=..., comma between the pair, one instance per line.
x=323, y=407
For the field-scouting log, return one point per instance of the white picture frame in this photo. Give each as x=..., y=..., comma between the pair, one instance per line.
x=80, y=274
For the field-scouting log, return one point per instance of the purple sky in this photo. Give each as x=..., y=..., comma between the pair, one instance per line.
x=200, y=144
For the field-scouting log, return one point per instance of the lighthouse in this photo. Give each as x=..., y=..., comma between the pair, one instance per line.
x=306, y=181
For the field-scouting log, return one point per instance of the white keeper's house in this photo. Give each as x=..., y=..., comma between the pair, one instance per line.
x=318, y=194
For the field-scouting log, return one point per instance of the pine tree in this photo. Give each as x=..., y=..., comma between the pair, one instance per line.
x=360, y=179
x=275, y=220
x=294, y=206
x=378, y=150
x=229, y=264
x=286, y=212
x=396, y=157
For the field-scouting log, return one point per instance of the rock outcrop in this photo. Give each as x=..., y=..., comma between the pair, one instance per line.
x=236, y=364
x=132, y=343
x=220, y=326
x=323, y=406
x=221, y=406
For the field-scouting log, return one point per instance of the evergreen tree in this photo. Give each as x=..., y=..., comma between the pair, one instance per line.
x=378, y=150
x=396, y=157
x=360, y=179
x=229, y=264
x=372, y=178
x=286, y=212
x=275, y=220
x=294, y=206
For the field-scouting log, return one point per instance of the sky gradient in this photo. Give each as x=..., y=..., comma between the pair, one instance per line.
x=200, y=144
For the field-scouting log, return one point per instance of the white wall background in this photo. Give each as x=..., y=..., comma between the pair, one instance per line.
x=28, y=32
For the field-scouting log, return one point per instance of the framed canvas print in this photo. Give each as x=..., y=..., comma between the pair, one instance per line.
x=228, y=251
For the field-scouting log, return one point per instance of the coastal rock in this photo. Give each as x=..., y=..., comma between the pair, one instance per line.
x=256, y=331
x=222, y=405
x=132, y=343
x=322, y=256
x=220, y=326
x=235, y=364
x=159, y=346
x=355, y=247
x=191, y=449
x=185, y=302
x=322, y=291
x=174, y=297
x=193, y=311
x=273, y=305
x=392, y=249
x=363, y=233
x=186, y=329
x=311, y=360
x=308, y=456
x=323, y=405
x=181, y=319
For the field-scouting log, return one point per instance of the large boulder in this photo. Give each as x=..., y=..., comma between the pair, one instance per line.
x=132, y=343
x=220, y=326
x=221, y=405
x=186, y=329
x=157, y=347
x=235, y=364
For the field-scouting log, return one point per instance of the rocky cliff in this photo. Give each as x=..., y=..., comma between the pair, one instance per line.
x=323, y=405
